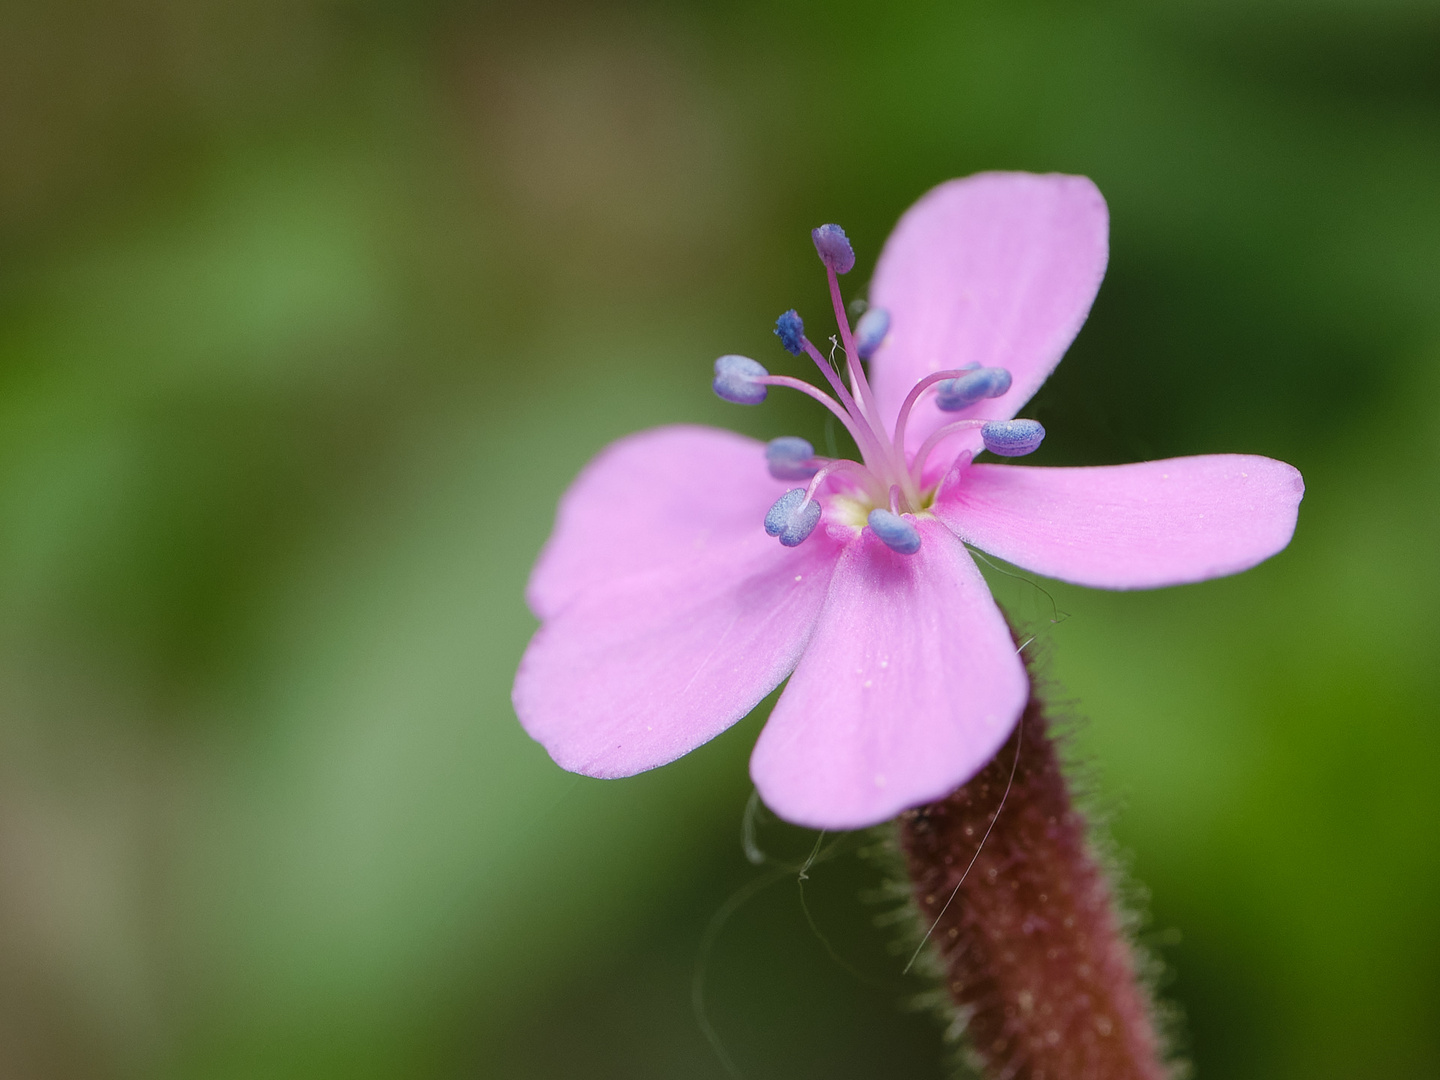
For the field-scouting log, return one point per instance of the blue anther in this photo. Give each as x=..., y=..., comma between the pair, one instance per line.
x=792, y=518
x=895, y=532
x=962, y=392
x=870, y=331
x=835, y=250
x=735, y=380
x=790, y=329
x=790, y=458
x=1012, y=438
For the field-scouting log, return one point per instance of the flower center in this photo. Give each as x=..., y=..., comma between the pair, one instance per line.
x=884, y=491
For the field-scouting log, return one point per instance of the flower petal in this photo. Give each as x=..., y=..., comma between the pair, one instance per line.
x=997, y=269
x=1129, y=526
x=658, y=496
x=632, y=673
x=909, y=685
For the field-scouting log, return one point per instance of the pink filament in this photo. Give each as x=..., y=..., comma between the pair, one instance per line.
x=936, y=438
x=865, y=477
x=914, y=396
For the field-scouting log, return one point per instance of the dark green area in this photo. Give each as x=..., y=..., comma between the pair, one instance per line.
x=309, y=311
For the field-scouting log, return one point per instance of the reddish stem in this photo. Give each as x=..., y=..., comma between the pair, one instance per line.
x=1034, y=952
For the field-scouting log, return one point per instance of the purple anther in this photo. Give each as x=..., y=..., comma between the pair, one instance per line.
x=870, y=331
x=835, y=250
x=790, y=329
x=791, y=458
x=895, y=532
x=735, y=380
x=955, y=394
x=1012, y=438
x=793, y=517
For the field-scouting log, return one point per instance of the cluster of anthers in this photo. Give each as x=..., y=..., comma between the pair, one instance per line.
x=888, y=487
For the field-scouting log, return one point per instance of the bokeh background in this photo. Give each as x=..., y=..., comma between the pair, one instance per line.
x=309, y=310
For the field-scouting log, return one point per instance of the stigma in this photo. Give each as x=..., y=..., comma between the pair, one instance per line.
x=885, y=491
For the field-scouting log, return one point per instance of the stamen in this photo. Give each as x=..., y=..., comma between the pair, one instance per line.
x=792, y=518
x=871, y=448
x=895, y=532
x=1008, y=438
x=791, y=458
x=868, y=410
x=819, y=395
x=737, y=379
x=828, y=370
x=790, y=329
x=939, y=435
x=1012, y=438
x=834, y=248
x=860, y=476
x=962, y=392
x=902, y=418
x=870, y=331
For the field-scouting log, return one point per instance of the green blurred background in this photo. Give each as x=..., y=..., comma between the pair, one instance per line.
x=309, y=310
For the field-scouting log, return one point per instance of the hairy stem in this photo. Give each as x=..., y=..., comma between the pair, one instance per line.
x=1034, y=951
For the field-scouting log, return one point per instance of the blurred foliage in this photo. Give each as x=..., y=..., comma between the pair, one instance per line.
x=309, y=309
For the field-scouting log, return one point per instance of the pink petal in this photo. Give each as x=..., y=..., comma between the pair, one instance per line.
x=632, y=673
x=998, y=269
x=908, y=686
x=669, y=494
x=1129, y=526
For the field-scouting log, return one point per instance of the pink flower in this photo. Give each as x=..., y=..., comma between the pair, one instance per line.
x=668, y=613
